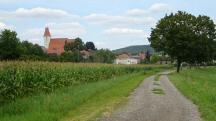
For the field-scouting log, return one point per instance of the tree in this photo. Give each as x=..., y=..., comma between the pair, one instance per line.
x=75, y=56
x=148, y=56
x=10, y=48
x=205, y=40
x=154, y=58
x=90, y=45
x=104, y=56
x=185, y=37
x=31, y=51
x=74, y=46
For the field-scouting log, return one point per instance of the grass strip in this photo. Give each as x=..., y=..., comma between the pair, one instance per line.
x=199, y=85
x=158, y=91
x=156, y=84
x=157, y=77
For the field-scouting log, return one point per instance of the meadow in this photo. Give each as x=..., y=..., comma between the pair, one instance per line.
x=199, y=85
x=32, y=91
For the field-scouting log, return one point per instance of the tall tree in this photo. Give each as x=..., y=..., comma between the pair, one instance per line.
x=10, y=48
x=185, y=37
x=148, y=56
x=90, y=45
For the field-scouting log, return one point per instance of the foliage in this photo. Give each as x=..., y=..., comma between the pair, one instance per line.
x=74, y=56
x=77, y=45
x=18, y=79
x=185, y=37
x=148, y=56
x=90, y=45
x=154, y=58
x=9, y=45
x=199, y=85
x=104, y=56
x=31, y=51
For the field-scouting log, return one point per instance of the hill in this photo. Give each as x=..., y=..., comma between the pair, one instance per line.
x=135, y=49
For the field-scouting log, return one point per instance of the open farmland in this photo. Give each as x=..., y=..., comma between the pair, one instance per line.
x=18, y=79
x=55, y=91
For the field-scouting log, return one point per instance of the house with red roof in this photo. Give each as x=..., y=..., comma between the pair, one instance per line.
x=54, y=45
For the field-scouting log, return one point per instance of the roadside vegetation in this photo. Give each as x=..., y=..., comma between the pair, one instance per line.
x=199, y=85
x=66, y=91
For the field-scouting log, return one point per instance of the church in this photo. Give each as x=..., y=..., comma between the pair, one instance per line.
x=55, y=45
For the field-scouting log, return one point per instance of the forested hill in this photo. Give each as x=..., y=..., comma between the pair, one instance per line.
x=135, y=49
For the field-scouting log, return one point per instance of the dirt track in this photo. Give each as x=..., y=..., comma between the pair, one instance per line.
x=146, y=105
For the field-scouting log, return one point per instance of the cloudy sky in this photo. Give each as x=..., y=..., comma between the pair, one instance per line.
x=108, y=23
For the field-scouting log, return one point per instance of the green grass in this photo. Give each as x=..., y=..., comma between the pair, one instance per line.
x=158, y=91
x=76, y=103
x=157, y=77
x=156, y=83
x=199, y=85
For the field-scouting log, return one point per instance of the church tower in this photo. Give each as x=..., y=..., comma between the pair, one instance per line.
x=47, y=37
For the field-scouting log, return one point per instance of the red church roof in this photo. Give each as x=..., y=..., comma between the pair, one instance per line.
x=56, y=45
x=47, y=32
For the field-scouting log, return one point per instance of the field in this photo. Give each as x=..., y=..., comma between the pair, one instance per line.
x=199, y=85
x=42, y=91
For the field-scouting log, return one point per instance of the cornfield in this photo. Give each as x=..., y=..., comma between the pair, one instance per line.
x=20, y=79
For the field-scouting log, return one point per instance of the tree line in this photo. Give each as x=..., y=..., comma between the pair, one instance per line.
x=12, y=48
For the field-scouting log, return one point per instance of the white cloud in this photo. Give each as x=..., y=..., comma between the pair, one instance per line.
x=66, y=29
x=107, y=20
x=160, y=7
x=4, y=26
x=34, y=35
x=132, y=17
x=155, y=8
x=37, y=12
x=126, y=32
x=137, y=12
x=60, y=30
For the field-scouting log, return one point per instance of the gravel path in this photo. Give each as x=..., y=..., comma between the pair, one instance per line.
x=165, y=103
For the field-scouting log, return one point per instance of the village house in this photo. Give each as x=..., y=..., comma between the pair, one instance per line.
x=86, y=53
x=126, y=58
x=54, y=45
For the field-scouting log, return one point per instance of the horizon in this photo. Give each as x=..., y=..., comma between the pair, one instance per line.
x=109, y=24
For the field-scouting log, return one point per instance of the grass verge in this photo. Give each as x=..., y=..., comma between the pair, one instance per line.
x=76, y=103
x=199, y=85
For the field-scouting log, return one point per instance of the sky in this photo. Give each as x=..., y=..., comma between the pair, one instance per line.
x=109, y=24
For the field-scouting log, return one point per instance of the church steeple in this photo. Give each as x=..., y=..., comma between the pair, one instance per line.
x=47, y=37
x=47, y=32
